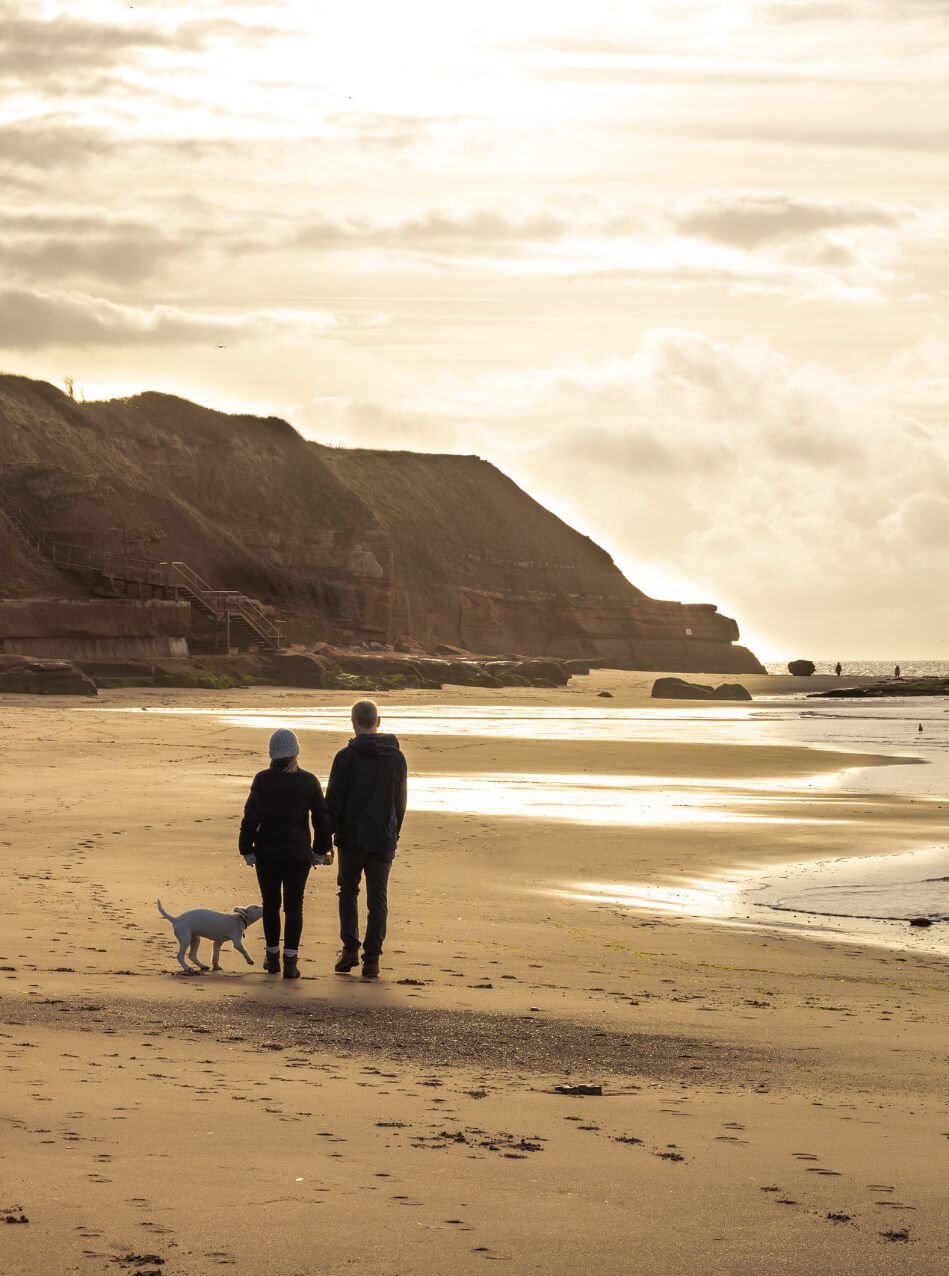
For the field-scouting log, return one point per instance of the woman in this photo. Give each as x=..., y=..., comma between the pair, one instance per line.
x=275, y=839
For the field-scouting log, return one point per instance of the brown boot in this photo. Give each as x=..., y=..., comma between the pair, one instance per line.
x=290, y=968
x=346, y=959
x=370, y=967
x=272, y=963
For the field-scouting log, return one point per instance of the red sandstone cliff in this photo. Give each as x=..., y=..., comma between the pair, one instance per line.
x=348, y=545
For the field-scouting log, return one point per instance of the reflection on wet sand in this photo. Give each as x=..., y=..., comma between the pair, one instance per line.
x=625, y=799
x=692, y=896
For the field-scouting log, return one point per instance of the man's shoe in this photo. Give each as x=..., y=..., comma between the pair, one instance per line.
x=272, y=963
x=370, y=968
x=290, y=969
x=346, y=960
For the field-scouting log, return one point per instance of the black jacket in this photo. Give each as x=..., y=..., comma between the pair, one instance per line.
x=277, y=815
x=366, y=794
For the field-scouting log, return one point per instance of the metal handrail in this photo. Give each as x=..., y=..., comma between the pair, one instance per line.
x=24, y=520
x=139, y=570
x=221, y=600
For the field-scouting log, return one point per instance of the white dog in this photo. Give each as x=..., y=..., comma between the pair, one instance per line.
x=202, y=923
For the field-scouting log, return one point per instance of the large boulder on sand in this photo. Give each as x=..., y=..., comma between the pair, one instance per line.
x=801, y=668
x=731, y=691
x=679, y=689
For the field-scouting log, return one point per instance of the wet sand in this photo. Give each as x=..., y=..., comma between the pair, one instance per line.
x=770, y=1102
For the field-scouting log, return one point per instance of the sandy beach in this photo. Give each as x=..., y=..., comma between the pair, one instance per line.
x=772, y=1101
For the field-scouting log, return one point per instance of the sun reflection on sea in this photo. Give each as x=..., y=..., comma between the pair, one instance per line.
x=722, y=723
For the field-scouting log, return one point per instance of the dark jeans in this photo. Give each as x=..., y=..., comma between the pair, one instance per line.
x=352, y=866
x=289, y=877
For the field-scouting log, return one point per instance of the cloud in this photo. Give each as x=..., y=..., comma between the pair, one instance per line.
x=393, y=131
x=41, y=243
x=68, y=47
x=32, y=320
x=53, y=141
x=32, y=47
x=747, y=221
x=826, y=12
x=843, y=252
x=870, y=134
x=478, y=231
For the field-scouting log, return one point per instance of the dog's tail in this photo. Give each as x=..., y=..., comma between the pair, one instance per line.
x=162, y=911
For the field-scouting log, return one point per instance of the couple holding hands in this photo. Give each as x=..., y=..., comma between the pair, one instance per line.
x=362, y=812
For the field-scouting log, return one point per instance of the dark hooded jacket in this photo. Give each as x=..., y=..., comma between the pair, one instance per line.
x=366, y=794
x=276, y=823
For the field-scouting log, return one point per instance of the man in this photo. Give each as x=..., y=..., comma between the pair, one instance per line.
x=366, y=797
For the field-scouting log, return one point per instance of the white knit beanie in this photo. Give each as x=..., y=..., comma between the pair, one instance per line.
x=283, y=744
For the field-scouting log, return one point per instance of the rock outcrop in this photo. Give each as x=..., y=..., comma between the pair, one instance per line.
x=349, y=546
x=24, y=676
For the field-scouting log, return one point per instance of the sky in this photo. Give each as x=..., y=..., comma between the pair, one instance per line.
x=679, y=268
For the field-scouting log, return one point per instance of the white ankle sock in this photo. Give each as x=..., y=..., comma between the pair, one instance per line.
x=274, y=950
x=290, y=952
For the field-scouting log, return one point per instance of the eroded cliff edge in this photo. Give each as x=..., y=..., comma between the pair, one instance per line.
x=347, y=545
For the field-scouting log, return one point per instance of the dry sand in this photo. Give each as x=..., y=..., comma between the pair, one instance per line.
x=771, y=1103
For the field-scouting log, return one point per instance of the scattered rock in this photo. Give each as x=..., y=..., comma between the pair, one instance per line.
x=579, y=1089
x=605, y=695
x=920, y=921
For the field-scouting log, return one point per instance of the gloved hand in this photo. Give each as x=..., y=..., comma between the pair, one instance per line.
x=250, y=860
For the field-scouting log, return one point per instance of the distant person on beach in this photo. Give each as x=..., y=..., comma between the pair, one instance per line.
x=366, y=796
x=896, y=672
x=838, y=668
x=275, y=839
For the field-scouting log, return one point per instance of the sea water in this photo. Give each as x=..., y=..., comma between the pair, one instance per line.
x=872, y=668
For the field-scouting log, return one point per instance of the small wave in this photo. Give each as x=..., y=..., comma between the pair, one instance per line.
x=895, y=901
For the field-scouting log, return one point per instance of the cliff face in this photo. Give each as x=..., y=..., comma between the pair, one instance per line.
x=347, y=545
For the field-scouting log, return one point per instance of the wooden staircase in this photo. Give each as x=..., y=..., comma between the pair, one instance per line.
x=238, y=620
